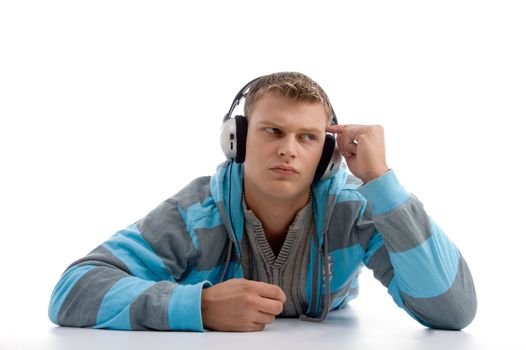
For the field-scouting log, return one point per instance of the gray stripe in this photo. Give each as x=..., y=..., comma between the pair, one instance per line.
x=353, y=293
x=454, y=309
x=214, y=242
x=381, y=266
x=405, y=227
x=101, y=256
x=344, y=290
x=82, y=304
x=196, y=191
x=165, y=230
x=365, y=227
x=150, y=310
x=346, y=228
x=331, y=203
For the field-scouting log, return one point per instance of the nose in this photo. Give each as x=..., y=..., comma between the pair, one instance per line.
x=287, y=147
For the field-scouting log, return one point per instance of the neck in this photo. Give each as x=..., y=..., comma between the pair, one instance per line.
x=275, y=213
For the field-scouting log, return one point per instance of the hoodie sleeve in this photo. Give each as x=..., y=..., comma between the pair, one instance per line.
x=422, y=269
x=134, y=280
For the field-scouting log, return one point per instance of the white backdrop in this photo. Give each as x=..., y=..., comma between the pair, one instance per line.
x=109, y=107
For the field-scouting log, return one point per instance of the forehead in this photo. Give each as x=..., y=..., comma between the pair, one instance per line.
x=274, y=108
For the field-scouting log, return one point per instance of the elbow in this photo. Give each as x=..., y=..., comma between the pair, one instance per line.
x=453, y=310
x=456, y=318
x=442, y=313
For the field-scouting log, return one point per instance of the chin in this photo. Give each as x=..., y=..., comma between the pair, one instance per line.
x=286, y=189
x=279, y=188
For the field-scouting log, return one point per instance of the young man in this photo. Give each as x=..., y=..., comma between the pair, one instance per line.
x=268, y=235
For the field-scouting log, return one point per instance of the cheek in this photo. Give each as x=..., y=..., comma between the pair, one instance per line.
x=314, y=152
x=251, y=141
x=256, y=145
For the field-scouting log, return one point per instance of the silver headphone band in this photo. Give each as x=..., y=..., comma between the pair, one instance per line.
x=247, y=86
x=238, y=98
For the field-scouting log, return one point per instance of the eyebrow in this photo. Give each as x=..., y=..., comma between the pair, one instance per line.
x=311, y=130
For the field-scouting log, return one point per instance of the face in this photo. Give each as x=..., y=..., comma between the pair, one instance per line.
x=284, y=145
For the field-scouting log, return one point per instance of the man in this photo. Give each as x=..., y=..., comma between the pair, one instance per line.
x=268, y=236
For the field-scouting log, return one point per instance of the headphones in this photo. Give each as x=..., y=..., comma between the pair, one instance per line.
x=233, y=139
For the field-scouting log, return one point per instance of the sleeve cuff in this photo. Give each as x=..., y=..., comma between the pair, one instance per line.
x=384, y=193
x=184, y=307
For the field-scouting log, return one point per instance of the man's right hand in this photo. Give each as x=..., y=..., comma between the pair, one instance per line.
x=241, y=305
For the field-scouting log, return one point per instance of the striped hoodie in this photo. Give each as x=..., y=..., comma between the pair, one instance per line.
x=150, y=275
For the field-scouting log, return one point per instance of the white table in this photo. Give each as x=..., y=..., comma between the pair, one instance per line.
x=354, y=327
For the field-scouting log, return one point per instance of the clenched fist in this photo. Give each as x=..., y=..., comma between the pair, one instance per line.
x=363, y=148
x=241, y=305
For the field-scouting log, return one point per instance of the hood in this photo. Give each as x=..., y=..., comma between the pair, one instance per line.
x=226, y=187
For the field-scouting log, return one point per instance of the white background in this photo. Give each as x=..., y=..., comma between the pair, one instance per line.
x=109, y=107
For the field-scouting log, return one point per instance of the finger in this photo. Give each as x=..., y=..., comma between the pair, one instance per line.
x=264, y=318
x=270, y=306
x=348, y=150
x=346, y=143
x=271, y=291
x=339, y=128
x=256, y=327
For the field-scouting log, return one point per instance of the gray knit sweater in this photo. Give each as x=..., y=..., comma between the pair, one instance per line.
x=288, y=270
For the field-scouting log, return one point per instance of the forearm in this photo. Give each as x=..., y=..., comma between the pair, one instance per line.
x=123, y=284
x=104, y=297
x=430, y=279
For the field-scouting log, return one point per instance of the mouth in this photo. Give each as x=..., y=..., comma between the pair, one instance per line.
x=285, y=170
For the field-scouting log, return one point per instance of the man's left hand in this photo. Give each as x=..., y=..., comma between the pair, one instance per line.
x=363, y=148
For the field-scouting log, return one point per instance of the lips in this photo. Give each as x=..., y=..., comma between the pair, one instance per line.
x=285, y=168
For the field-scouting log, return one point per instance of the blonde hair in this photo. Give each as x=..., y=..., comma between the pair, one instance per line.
x=293, y=85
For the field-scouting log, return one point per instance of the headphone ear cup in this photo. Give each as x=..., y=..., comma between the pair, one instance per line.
x=227, y=138
x=241, y=137
x=233, y=138
x=330, y=160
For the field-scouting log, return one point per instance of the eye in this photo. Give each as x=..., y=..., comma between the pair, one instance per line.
x=273, y=131
x=309, y=137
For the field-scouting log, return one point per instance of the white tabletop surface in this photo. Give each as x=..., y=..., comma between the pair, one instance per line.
x=366, y=323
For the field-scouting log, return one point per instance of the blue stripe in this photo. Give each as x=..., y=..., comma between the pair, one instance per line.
x=394, y=291
x=193, y=236
x=336, y=303
x=201, y=215
x=216, y=182
x=355, y=282
x=346, y=266
x=319, y=206
x=211, y=275
x=373, y=245
x=236, y=209
x=310, y=272
x=184, y=307
x=384, y=193
x=226, y=188
x=429, y=269
x=62, y=289
x=130, y=247
x=114, y=310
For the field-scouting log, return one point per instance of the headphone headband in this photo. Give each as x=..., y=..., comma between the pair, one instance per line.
x=238, y=98
x=241, y=94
